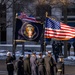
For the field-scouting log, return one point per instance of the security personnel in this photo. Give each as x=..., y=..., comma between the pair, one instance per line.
x=9, y=63
x=20, y=65
x=69, y=46
x=60, y=44
x=33, y=64
x=41, y=68
x=56, y=51
x=53, y=47
x=74, y=47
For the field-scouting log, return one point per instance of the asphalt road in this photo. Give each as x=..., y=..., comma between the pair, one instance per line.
x=69, y=69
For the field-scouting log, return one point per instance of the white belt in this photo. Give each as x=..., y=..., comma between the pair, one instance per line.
x=9, y=63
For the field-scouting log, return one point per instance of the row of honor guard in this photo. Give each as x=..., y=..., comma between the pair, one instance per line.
x=31, y=65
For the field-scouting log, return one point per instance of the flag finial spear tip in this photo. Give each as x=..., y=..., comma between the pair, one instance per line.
x=16, y=15
x=46, y=14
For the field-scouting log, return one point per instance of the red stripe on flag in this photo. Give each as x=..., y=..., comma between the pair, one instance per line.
x=65, y=33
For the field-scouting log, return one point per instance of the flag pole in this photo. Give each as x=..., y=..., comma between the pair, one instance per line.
x=13, y=39
x=44, y=43
x=43, y=47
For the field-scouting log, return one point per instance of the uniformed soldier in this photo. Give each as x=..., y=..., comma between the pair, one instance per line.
x=41, y=68
x=20, y=65
x=33, y=64
x=9, y=63
x=49, y=64
x=60, y=66
x=27, y=68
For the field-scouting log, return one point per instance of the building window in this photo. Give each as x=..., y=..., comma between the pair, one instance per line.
x=70, y=11
x=2, y=23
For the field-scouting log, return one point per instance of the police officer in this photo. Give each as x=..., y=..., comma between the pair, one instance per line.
x=20, y=65
x=69, y=46
x=9, y=63
x=27, y=68
x=33, y=64
x=41, y=68
x=74, y=47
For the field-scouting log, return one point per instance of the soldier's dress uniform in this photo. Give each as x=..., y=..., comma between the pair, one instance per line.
x=20, y=65
x=33, y=65
x=9, y=63
x=49, y=63
x=41, y=68
x=27, y=68
x=60, y=66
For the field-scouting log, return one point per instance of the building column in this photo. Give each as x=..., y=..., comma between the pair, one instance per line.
x=9, y=21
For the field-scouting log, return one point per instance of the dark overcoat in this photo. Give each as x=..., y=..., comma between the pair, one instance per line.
x=27, y=68
x=20, y=66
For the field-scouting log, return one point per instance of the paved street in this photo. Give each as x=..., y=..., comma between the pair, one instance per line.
x=69, y=69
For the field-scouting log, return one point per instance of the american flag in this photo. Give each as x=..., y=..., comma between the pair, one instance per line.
x=25, y=17
x=58, y=30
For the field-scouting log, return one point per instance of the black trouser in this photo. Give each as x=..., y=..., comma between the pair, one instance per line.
x=10, y=69
x=20, y=72
x=56, y=58
x=10, y=73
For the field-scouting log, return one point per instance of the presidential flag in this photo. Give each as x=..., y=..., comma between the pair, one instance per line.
x=26, y=18
x=28, y=29
x=58, y=30
x=19, y=24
